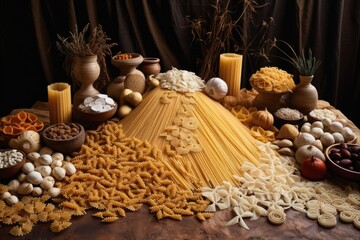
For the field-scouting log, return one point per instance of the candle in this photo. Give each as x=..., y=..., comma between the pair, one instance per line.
x=59, y=97
x=230, y=71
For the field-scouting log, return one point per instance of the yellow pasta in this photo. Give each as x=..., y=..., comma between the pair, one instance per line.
x=230, y=65
x=313, y=213
x=57, y=226
x=272, y=79
x=357, y=222
x=215, y=143
x=327, y=220
x=109, y=219
x=347, y=216
x=277, y=216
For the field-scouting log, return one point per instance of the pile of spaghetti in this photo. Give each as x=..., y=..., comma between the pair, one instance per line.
x=182, y=153
x=203, y=143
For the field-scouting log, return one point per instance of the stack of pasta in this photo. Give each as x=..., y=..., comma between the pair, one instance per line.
x=202, y=142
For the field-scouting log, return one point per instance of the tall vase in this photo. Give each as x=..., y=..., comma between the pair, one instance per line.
x=86, y=72
x=129, y=77
x=305, y=96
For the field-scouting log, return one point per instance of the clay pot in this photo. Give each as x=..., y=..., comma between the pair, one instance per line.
x=129, y=77
x=11, y=171
x=270, y=100
x=305, y=96
x=66, y=146
x=86, y=72
x=150, y=66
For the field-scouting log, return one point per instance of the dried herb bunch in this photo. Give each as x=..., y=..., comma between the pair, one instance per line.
x=84, y=43
x=222, y=33
x=305, y=65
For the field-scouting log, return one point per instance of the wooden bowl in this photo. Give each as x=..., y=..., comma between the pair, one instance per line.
x=91, y=120
x=314, y=115
x=133, y=61
x=18, y=123
x=336, y=169
x=11, y=171
x=280, y=120
x=66, y=146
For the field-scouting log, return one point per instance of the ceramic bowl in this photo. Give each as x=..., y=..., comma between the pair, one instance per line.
x=90, y=119
x=11, y=171
x=285, y=117
x=12, y=126
x=66, y=145
x=315, y=114
x=337, y=169
x=133, y=59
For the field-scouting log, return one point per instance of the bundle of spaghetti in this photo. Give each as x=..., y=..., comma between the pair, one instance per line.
x=219, y=142
x=225, y=141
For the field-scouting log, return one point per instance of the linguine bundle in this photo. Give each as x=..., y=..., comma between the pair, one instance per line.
x=202, y=142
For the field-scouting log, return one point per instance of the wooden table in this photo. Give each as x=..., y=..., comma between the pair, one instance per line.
x=144, y=225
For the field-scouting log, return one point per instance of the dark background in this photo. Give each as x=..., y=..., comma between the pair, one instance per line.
x=29, y=59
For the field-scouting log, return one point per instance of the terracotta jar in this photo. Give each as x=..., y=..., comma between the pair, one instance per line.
x=86, y=72
x=305, y=96
x=150, y=66
x=270, y=101
x=129, y=77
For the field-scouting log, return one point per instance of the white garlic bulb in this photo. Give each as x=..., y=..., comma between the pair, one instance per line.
x=57, y=156
x=13, y=185
x=34, y=177
x=25, y=188
x=54, y=192
x=37, y=162
x=33, y=156
x=37, y=191
x=56, y=163
x=348, y=134
x=22, y=177
x=28, y=167
x=45, y=159
x=69, y=168
x=58, y=173
x=12, y=200
x=44, y=170
x=5, y=195
x=336, y=126
x=46, y=150
x=47, y=183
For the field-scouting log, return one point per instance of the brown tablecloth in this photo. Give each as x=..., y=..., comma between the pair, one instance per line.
x=144, y=225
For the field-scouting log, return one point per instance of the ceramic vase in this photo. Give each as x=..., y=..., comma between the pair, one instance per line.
x=150, y=66
x=271, y=101
x=305, y=96
x=86, y=72
x=130, y=77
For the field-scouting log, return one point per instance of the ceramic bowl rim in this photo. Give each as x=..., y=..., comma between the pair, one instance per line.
x=22, y=161
x=97, y=113
x=62, y=140
x=327, y=150
x=134, y=56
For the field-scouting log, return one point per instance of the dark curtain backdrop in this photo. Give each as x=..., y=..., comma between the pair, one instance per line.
x=159, y=28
